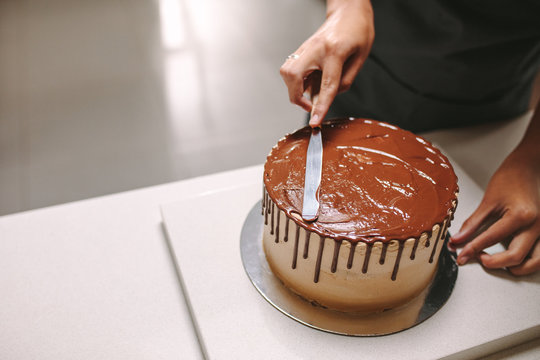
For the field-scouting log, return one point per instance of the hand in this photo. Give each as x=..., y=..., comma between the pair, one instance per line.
x=337, y=51
x=512, y=199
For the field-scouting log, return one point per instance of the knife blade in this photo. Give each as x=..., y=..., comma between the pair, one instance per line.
x=310, y=206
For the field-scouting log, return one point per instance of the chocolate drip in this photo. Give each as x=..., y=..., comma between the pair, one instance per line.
x=277, y=226
x=337, y=246
x=295, y=251
x=415, y=246
x=286, y=237
x=319, y=260
x=306, y=245
x=398, y=259
x=272, y=221
x=351, y=255
x=383, y=253
x=266, y=212
x=366, y=259
x=263, y=199
x=439, y=237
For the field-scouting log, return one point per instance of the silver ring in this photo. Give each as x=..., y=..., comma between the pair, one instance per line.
x=293, y=57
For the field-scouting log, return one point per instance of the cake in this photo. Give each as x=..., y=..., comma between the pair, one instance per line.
x=387, y=197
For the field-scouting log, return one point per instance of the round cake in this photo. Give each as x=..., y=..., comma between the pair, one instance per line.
x=386, y=197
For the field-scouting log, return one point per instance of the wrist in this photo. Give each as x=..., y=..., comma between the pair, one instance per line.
x=528, y=149
x=526, y=154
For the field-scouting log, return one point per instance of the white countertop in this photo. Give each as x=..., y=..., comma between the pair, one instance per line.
x=95, y=278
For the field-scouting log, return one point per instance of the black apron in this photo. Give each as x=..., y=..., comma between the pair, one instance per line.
x=440, y=64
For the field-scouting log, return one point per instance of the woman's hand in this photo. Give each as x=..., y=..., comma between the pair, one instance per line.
x=512, y=199
x=336, y=51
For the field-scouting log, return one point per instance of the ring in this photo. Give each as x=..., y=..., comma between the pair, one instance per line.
x=293, y=57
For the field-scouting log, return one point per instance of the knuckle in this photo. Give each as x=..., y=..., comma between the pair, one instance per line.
x=515, y=257
x=473, y=247
x=295, y=99
x=333, y=44
x=329, y=85
x=288, y=73
x=338, y=47
x=526, y=214
x=346, y=84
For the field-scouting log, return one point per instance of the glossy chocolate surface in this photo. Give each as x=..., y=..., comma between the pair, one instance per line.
x=379, y=182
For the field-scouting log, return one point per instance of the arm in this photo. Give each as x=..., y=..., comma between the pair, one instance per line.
x=512, y=199
x=337, y=51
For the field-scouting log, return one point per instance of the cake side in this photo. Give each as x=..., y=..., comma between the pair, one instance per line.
x=350, y=276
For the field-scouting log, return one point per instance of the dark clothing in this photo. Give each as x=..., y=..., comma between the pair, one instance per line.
x=438, y=64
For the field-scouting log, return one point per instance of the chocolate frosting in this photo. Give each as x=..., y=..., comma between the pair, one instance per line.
x=379, y=182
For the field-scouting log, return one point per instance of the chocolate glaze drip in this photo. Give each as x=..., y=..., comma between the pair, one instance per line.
x=376, y=180
x=439, y=237
x=306, y=244
x=272, y=218
x=295, y=251
x=319, y=260
x=286, y=237
x=366, y=259
x=398, y=259
x=415, y=246
x=351, y=255
x=338, y=243
x=337, y=246
x=383, y=253
x=277, y=226
x=266, y=200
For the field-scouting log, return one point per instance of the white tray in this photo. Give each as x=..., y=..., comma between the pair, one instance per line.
x=487, y=312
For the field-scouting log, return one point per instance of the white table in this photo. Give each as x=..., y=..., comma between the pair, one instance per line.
x=95, y=278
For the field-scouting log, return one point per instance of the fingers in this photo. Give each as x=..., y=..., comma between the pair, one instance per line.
x=350, y=70
x=531, y=263
x=297, y=73
x=330, y=79
x=293, y=72
x=472, y=225
x=500, y=230
x=516, y=253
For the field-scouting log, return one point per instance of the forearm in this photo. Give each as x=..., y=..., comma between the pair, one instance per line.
x=333, y=6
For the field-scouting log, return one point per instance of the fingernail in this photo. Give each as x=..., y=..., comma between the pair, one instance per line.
x=314, y=120
x=456, y=235
x=462, y=260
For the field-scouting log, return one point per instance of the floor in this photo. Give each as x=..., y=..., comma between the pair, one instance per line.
x=103, y=96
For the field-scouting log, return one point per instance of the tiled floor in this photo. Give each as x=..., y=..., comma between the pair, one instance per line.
x=103, y=96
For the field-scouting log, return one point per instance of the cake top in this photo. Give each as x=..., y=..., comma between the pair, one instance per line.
x=379, y=182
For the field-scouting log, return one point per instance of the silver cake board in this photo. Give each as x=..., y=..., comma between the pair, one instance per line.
x=320, y=318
